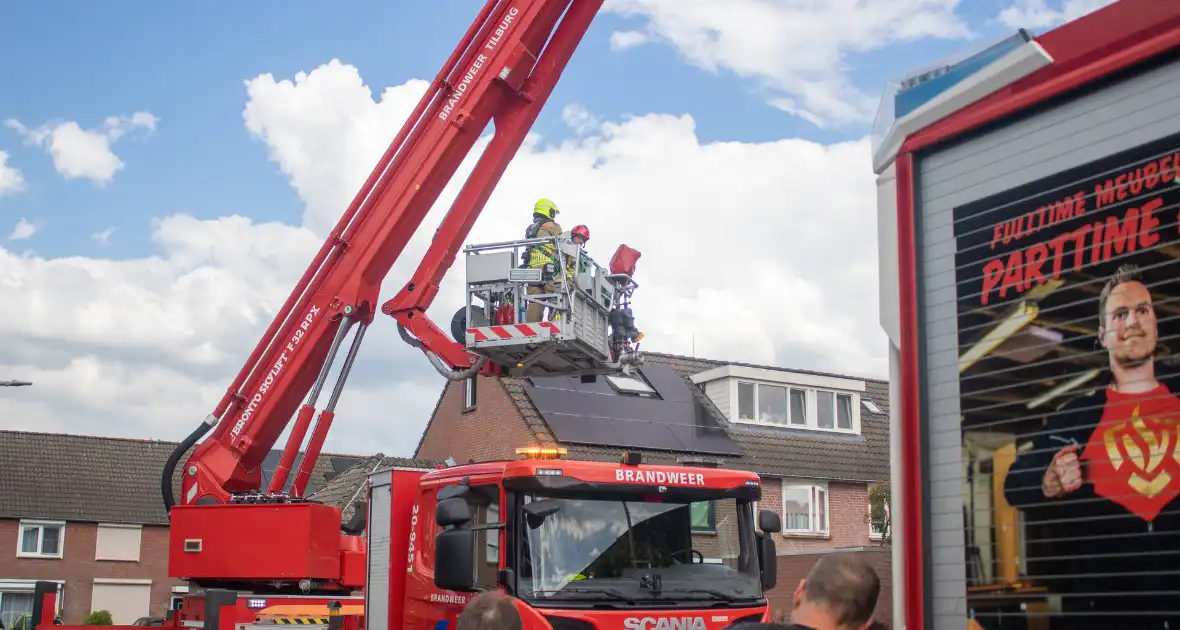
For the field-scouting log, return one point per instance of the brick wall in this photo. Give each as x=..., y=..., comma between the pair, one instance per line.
x=492, y=431
x=794, y=567
x=721, y=543
x=848, y=516
x=78, y=568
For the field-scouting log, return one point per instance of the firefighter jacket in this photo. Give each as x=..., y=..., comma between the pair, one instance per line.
x=538, y=255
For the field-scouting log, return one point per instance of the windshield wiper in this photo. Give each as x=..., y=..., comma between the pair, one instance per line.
x=707, y=591
x=605, y=592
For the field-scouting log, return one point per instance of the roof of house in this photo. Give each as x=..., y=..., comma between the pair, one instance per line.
x=104, y=479
x=770, y=450
x=346, y=490
x=766, y=450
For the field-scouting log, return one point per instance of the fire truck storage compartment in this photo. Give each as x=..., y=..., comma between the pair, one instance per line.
x=394, y=531
x=255, y=541
x=1042, y=145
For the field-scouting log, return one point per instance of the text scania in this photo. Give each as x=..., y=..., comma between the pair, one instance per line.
x=275, y=369
x=413, y=538
x=477, y=65
x=660, y=477
x=664, y=623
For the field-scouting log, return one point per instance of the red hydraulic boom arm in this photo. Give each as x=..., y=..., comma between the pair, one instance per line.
x=502, y=72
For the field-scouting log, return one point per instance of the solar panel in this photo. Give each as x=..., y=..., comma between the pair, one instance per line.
x=670, y=385
x=595, y=413
x=581, y=430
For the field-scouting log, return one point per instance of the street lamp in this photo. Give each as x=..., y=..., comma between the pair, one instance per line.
x=15, y=383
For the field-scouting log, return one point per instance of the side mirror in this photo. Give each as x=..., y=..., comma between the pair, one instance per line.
x=458, y=490
x=767, y=560
x=769, y=522
x=453, y=511
x=454, y=566
x=537, y=511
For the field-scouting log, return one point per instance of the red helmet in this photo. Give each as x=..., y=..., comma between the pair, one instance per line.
x=582, y=231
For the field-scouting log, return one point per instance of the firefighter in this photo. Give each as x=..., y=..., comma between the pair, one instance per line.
x=541, y=256
x=578, y=236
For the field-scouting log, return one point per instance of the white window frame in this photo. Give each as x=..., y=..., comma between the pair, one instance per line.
x=811, y=407
x=873, y=535
x=23, y=586
x=41, y=525
x=176, y=597
x=631, y=385
x=813, y=487
x=470, y=394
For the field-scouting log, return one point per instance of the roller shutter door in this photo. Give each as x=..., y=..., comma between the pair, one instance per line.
x=125, y=601
x=981, y=411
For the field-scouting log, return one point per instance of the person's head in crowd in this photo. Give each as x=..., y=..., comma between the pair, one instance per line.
x=839, y=593
x=490, y=611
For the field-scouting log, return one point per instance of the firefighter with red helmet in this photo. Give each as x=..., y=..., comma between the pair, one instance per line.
x=578, y=236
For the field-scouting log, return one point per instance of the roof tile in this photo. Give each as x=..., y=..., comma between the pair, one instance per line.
x=98, y=479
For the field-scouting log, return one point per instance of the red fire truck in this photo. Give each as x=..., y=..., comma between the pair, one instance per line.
x=1028, y=243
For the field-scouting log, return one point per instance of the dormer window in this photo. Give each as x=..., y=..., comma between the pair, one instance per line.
x=787, y=399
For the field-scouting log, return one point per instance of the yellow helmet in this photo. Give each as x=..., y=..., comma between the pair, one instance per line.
x=545, y=207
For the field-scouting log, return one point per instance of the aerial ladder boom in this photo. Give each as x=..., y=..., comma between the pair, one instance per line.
x=502, y=72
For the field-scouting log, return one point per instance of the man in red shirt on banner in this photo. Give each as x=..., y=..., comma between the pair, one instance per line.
x=1103, y=477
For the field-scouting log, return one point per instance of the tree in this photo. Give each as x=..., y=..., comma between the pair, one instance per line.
x=879, y=517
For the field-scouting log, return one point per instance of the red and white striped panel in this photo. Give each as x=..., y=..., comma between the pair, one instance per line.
x=512, y=332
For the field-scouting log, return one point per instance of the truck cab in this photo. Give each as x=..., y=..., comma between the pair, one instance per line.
x=581, y=545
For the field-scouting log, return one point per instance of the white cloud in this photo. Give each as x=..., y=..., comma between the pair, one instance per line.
x=795, y=49
x=11, y=179
x=85, y=153
x=622, y=40
x=104, y=236
x=23, y=230
x=1038, y=14
x=748, y=247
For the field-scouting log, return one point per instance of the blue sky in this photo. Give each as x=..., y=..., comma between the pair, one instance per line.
x=186, y=64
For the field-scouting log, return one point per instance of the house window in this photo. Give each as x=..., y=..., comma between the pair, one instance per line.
x=492, y=552
x=835, y=411
x=805, y=508
x=795, y=407
x=772, y=404
x=469, y=393
x=631, y=385
x=877, y=528
x=16, y=601
x=41, y=539
x=704, y=516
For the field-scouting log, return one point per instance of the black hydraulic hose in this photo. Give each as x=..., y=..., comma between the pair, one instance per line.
x=174, y=459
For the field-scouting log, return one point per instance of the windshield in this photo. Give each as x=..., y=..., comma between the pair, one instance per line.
x=575, y=549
